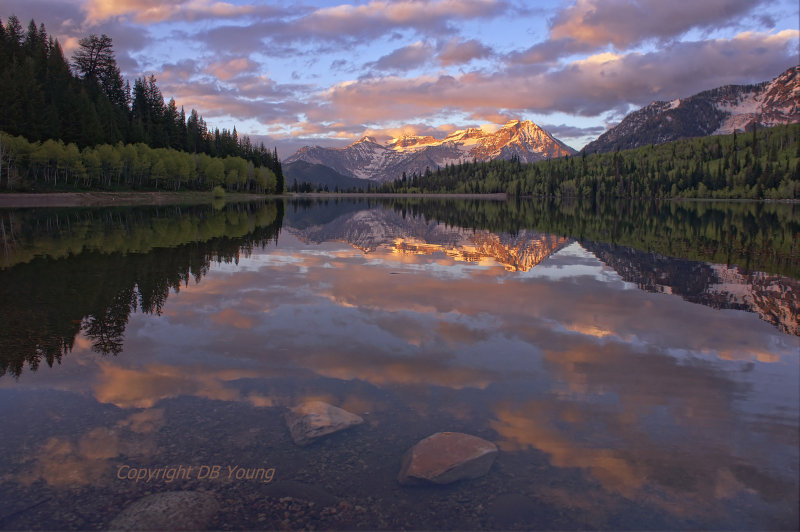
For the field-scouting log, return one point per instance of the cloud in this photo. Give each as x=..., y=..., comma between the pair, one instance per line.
x=154, y=11
x=622, y=23
x=587, y=87
x=377, y=18
x=230, y=88
x=403, y=59
x=458, y=52
x=294, y=31
x=591, y=25
x=568, y=131
x=231, y=68
x=145, y=10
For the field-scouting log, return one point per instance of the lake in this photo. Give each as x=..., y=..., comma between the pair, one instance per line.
x=636, y=364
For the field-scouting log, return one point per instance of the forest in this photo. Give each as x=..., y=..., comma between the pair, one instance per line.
x=760, y=164
x=79, y=125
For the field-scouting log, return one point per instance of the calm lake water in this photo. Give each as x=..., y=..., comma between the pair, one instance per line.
x=636, y=364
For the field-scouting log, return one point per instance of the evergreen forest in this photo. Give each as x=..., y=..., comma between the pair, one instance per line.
x=79, y=125
x=760, y=164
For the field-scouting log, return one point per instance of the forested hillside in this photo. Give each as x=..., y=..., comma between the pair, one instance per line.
x=758, y=164
x=81, y=125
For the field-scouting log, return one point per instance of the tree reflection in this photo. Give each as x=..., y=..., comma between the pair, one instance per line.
x=754, y=235
x=46, y=302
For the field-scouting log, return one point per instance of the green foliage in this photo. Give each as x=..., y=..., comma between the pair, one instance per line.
x=52, y=165
x=218, y=192
x=43, y=100
x=761, y=164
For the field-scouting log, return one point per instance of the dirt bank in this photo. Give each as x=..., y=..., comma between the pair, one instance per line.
x=106, y=199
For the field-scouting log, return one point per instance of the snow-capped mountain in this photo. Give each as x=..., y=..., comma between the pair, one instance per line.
x=368, y=159
x=718, y=111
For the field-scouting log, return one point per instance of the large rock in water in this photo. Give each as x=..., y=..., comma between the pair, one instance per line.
x=170, y=510
x=446, y=457
x=315, y=419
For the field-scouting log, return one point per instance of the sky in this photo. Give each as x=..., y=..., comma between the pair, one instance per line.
x=327, y=72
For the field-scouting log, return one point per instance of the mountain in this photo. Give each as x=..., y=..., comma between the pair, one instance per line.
x=719, y=111
x=367, y=159
x=319, y=176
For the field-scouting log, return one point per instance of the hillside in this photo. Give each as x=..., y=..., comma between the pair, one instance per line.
x=319, y=177
x=718, y=111
x=760, y=164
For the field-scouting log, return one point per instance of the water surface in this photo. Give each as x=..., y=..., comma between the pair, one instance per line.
x=636, y=365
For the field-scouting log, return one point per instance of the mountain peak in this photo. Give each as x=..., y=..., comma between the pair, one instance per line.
x=407, y=141
x=521, y=125
x=717, y=111
x=465, y=134
x=409, y=154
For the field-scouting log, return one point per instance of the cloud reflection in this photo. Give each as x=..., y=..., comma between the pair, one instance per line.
x=88, y=460
x=641, y=392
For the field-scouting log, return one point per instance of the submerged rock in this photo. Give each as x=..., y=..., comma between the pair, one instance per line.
x=446, y=457
x=170, y=510
x=314, y=419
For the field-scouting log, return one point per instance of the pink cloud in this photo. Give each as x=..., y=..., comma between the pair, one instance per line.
x=231, y=68
x=589, y=25
x=458, y=51
x=153, y=11
x=378, y=16
x=405, y=58
x=353, y=23
x=586, y=87
x=625, y=22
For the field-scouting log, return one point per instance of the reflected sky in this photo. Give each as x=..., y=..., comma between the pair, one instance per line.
x=674, y=405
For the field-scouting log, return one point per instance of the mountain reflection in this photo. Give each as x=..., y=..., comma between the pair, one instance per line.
x=46, y=298
x=369, y=229
x=85, y=271
x=615, y=399
x=406, y=228
x=774, y=298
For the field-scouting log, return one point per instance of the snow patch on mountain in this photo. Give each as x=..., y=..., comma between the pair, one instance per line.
x=717, y=111
x=409, y=154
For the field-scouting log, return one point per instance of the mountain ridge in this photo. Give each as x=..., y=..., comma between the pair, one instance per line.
x=319, y=176
x=717, y=111
x=409, y=154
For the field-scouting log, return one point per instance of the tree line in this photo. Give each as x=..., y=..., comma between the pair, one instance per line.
x=760, y=164
x=68, y=124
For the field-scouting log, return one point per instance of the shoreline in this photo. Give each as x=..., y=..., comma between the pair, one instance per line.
x=14, y=200
x=20, y=200
x=25, y=200
x=497, y=196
